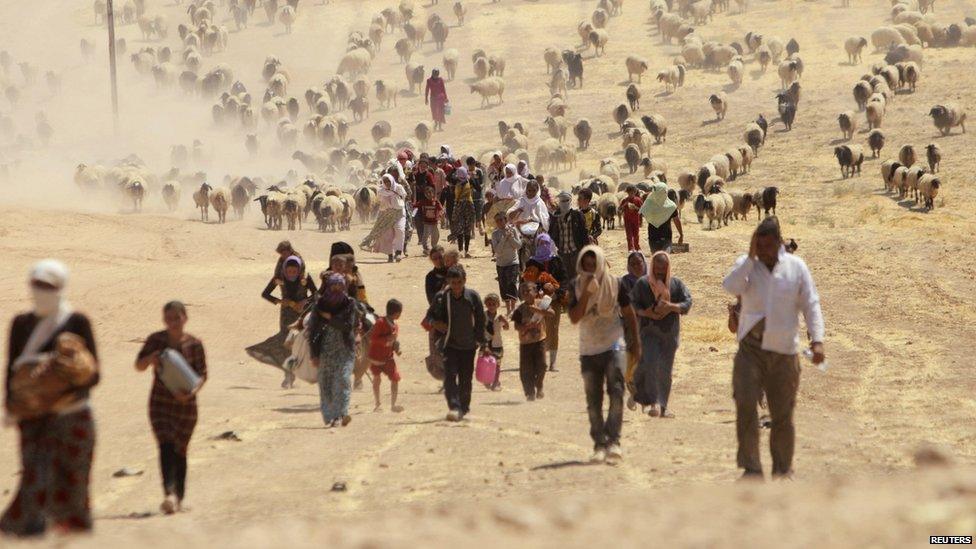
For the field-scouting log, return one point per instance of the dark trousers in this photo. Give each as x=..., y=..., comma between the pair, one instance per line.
x=569, y=264
x=755, y=370
x=458, y=371
x=599, y=370
x=532, y=366
x=173, y=467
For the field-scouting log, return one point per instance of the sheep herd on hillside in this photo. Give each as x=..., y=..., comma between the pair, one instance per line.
x=312, y=126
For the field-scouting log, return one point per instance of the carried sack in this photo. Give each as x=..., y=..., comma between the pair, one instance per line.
x=734, y=310
x=47, y=386
x=448, y=108
x=176, y=374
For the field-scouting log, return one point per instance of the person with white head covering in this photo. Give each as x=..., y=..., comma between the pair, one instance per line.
x=659, y=299
x=51, y=367
x=531, y=215
x=507, y=191
x=601, y=306
x=387, y=235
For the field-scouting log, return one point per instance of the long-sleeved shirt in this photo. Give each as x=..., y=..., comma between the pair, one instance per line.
x=779, y=296
x=297, y=290
x=506, y=243
x=392, y=198
x=465, y=317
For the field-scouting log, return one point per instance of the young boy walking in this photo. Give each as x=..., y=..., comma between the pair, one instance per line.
x=506, y=241
x=631, y=207
x=593, y=226
x=383, y=345
x=494, y=325
x=528, y=318
x=430, y=211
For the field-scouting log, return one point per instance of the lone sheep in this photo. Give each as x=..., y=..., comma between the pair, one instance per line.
x=948, y=116
x=489, y=87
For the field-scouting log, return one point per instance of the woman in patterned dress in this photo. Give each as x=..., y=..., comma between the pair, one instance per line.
x=56, y=447
x=173, y=416
x=335, y=323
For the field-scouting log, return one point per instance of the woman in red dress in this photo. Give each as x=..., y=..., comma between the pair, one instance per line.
x=435, y=95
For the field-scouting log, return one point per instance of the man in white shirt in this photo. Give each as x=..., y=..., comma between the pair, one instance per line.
x=775, y=287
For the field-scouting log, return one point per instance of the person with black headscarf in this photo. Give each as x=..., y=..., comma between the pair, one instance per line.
x=295, y=288
x=335, y=323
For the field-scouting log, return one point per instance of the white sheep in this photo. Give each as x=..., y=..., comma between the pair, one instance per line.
x=355, y=62
x=854, y=46
x=736, y=70
x=874, y=113
x=450, y=62
x=489, y=87
x=635, y=65
x=598, y=39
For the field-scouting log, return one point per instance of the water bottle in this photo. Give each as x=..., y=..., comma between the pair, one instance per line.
x=808, y=354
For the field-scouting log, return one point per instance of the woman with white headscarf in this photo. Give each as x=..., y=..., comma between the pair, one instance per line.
x=51, y=368
x=601, y=306
x=388, y=231
x=507, y=191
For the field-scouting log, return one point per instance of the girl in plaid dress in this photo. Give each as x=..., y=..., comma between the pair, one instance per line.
x=173, y=416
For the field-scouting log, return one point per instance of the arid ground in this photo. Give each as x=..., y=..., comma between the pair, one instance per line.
x=898, y=286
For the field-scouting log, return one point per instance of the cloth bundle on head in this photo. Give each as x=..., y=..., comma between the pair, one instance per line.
x=604, y=300
x=658, y=208
x=564, y=201
x=661, y=288
x=545, y=248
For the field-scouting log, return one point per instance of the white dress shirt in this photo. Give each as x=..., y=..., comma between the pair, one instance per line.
x=778, y=296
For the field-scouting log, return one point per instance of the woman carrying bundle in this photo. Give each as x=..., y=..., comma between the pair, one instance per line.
x=51, y=352
x=334, y=325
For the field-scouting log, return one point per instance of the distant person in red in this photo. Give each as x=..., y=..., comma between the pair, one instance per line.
x=435, y=95
x=632, y=218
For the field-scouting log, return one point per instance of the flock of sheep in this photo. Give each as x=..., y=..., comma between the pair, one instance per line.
x=342, y=173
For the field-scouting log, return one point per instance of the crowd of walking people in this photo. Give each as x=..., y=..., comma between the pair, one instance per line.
x=549, y=265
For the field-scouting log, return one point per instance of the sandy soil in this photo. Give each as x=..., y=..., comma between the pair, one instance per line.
x=897, y=286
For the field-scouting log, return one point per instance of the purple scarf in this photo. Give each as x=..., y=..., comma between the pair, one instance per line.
x=545, y=248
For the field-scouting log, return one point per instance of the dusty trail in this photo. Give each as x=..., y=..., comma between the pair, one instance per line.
x=897, y=286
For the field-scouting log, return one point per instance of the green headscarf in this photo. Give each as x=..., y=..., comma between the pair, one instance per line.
x=658, y=208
